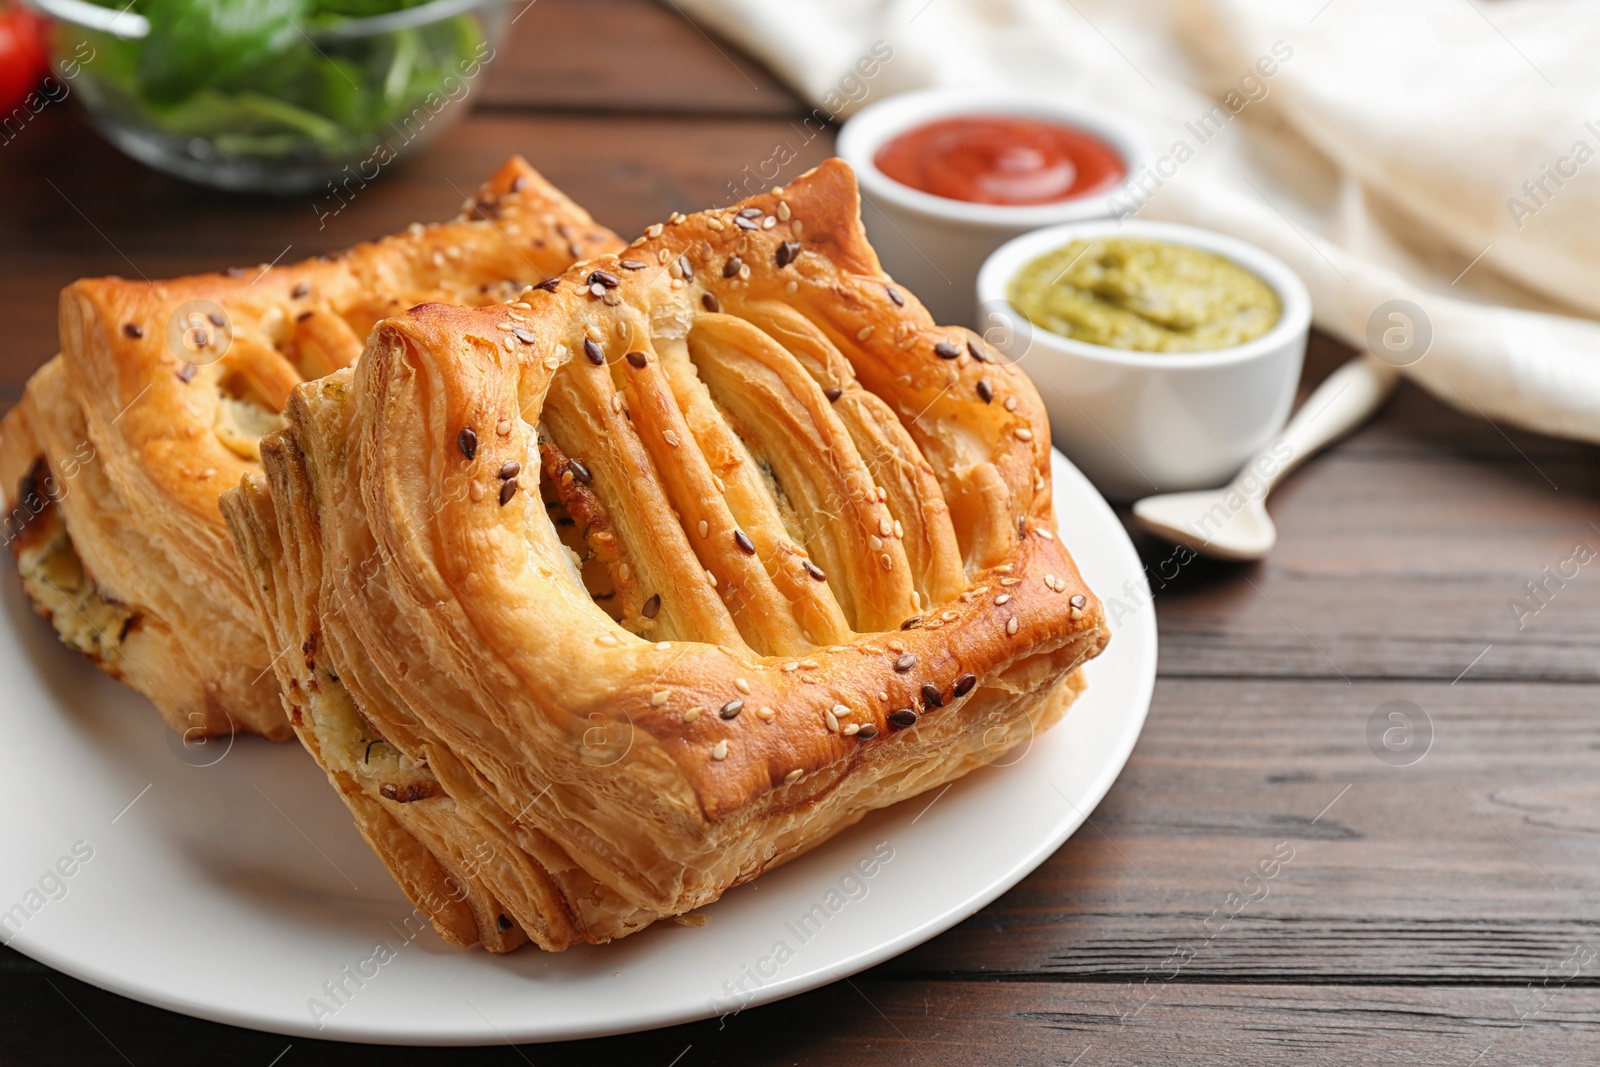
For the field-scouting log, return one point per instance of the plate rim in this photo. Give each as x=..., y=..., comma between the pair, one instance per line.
x=675, y=1015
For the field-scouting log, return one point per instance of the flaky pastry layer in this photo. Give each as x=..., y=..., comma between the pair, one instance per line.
x=600, y=602
x=112, y=463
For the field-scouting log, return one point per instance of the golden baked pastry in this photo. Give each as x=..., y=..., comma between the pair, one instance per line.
x=597, y=604
x=113, y=461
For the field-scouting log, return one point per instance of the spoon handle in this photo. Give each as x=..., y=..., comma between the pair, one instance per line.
x=1347, y=398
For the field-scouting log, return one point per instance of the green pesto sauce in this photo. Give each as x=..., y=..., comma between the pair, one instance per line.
x=1149, y=296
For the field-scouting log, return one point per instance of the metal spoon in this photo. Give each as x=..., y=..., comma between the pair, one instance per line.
x=1232, y=522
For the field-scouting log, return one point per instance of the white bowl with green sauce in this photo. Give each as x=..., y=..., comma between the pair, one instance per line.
x=1167, y=355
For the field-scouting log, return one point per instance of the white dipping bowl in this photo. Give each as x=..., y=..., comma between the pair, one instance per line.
x=1139, y=423
x=934, y=245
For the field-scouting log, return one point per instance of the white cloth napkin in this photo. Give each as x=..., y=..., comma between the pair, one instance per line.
x=1384, y=158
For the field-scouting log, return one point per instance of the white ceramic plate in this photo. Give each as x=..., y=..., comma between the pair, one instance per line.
x=228, y=882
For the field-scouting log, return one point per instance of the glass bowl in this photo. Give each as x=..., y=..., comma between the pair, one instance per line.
x=274, y=96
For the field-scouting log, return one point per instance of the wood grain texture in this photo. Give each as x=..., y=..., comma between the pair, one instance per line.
x=1400, y=555
x=869, y=1020
x=625, y=55
x=1431, y=914
x=1472, y=864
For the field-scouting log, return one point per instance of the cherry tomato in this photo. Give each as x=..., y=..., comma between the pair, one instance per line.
x=24, y=60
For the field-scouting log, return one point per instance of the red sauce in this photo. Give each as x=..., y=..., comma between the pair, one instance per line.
x=1001, y=159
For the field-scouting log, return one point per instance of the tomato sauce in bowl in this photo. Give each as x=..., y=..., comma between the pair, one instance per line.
x=1009, y=160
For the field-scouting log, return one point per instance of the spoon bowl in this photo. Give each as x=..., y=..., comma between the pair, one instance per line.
x=1232, y=522
x=1214, y=522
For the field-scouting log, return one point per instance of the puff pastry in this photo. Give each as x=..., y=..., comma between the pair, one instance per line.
x=113, y=461
x=595, y=605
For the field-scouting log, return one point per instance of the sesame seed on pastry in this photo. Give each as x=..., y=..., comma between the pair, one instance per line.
x=157, y=402
x=661, y=579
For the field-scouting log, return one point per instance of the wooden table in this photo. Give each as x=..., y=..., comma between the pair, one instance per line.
x=1442, y=912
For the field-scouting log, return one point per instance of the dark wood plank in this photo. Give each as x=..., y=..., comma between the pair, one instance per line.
x=931, y=1022
x=1005, y=1024
x=1479, y=862
x=627, y=55
x=1399, y=556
